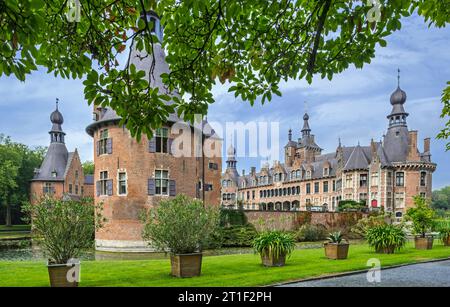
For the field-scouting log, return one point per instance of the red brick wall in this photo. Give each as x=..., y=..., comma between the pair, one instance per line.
x=293, y=220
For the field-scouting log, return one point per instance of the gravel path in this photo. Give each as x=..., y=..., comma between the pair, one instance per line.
x=432, y=274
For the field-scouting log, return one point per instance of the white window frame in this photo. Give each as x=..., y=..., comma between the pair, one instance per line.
x=119, y=172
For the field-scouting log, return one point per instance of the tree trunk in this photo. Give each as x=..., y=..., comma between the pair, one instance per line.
x=8, y=215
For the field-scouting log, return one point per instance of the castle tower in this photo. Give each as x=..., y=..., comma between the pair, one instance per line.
x=131, y=176
x=396, y=139
x=61, y=172
x=307, y=148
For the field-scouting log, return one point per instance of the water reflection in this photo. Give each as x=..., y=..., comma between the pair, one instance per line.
x=27, y=252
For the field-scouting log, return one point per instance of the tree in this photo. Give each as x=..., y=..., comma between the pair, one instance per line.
x=441, y=199
x=17, y=164
x=88, y=168
x=253, y=44
x=421, y=215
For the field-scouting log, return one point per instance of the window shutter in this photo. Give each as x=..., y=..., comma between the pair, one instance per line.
x=152, y=145
x=98, y=148
x=97, y=188
x=169, y=145
x=172, y=188
x=151, y=186
x=109, y=146
x=109, y=187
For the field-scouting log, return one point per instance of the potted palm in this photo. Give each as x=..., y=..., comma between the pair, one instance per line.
x=335, y=248
x=181, y=226
x=422, y=216
x=386, y=238
x=64, y=229
x=273, y=247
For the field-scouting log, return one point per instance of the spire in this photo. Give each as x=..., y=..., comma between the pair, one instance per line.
x=290, y=135
x=306, y=129
x=56, y=133
x=398, y=115
x=231, y=157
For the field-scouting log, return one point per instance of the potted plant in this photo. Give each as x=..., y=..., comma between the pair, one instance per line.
x=181, y=226
x=274, y=246
x=444, y=232
x=336, y=248
x=422, y=216
x=386, y=238
x=64, y=229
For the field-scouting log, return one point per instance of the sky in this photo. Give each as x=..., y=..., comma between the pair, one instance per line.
x=353, y=106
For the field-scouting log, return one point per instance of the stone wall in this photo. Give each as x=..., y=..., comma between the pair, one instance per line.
x=293, y=220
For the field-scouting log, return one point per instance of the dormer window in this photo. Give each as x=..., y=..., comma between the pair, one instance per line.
x=308, y=174
x=326, y=171
x=54, y=173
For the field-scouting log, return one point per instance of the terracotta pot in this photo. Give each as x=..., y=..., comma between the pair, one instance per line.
x=186, y=265
x=269, y=260
x=64, y=275
x=386, y=250
x=446, y=241
x=336, y=250
x=424, y=243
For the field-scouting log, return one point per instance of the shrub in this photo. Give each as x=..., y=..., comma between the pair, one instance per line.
x=386, y=238
x=443, y=227
x=64, y=229
x=310, y=233
x=274, y=243
x=372, y=221
x=351, y=205
x=422, y=216
x=180, y=225
x=238, y=236
x=231, y=217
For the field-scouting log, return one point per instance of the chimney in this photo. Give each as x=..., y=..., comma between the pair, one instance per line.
x=243, y=172
x=253, y=170
x=426, y=145
x=412, y=144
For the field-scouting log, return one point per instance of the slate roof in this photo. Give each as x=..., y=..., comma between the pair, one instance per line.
x=357, y=160
x=55, y=159
x=143, y=62
x=89, y=179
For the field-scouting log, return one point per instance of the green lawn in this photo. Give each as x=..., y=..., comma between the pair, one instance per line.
x=229, y=270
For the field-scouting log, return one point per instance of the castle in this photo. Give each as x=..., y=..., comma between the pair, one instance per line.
x=61, y=173
x=386, y=174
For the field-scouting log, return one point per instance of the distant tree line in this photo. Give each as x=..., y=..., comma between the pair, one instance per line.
x=17, y=164
x=441, y=201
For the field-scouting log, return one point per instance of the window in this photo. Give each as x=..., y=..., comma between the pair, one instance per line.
x=248, y=195
x=70, y=188
x=48, y=188
x=122, y=181
x=102, y=144
x=389, y=179
x=399, y=200
x=316, y=187
x=363, y=196
x=348, y=181
x=400, y=179
x=162, y=182
x=82, y=190
x=76, y=189
x=103, y=183
x=213, y=166
x=297, y=190
x=423, y=194
x=308, y=174
x=374, y=179
x=325, y=186
x=334, y=185
x=308, y=188
x=363, y=180
x=389, y=201
x=253, y=194
x=162, y=135
x=326, y=171
x=423, y=179
x=76, y=174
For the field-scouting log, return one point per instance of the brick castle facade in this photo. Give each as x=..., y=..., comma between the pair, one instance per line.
x=384, y=174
